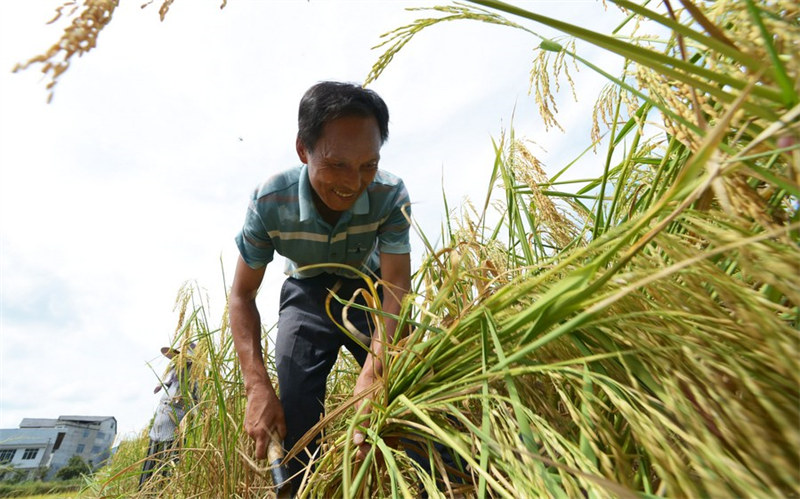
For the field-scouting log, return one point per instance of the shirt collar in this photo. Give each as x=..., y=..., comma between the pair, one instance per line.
x=361, y=206
x=306, y=199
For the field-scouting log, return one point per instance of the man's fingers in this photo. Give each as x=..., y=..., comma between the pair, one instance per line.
x=363, y=386
x=362, y=452
x=362, y=447
x=280, y=429
x=261, y=447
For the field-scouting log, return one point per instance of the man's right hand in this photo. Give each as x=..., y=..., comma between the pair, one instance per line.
x=263, y=418
x=264, y=415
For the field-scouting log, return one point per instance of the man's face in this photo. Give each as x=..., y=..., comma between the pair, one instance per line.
x=343, y=163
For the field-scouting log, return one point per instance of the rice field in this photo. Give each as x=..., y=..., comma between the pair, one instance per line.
x=634, y=335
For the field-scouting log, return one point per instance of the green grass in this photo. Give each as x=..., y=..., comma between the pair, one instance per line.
x=52, y=490
x=54, y=495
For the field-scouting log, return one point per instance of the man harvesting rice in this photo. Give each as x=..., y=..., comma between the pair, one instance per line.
x=337, y=208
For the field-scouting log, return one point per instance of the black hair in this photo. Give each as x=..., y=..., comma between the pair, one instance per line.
x=329, y=100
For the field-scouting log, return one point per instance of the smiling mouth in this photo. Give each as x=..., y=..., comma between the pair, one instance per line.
x=343, y=194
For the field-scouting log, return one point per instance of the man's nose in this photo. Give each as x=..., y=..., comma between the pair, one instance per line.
x=352, y=178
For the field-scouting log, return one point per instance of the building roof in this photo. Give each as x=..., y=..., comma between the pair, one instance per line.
x=37, y=423
x=52, y=423
x=85, y=419
x=27, y=437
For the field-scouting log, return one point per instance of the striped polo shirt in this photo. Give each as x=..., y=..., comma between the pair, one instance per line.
x=282, y=217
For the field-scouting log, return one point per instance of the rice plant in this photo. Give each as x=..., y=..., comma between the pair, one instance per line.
x=635, y=336
x=643, y=344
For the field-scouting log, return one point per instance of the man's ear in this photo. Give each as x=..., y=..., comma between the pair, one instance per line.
x=302, y=153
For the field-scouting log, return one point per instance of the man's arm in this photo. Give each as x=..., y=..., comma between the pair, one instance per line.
x=264, y=414
x=396, y=274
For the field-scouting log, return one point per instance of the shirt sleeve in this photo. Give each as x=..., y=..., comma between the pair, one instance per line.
x=253, y=241
x=393, y=233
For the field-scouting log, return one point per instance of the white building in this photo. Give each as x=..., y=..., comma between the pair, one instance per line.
x=25, y=453
x=40, y=447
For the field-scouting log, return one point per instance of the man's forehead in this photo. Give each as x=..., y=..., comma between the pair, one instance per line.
x=340, y=145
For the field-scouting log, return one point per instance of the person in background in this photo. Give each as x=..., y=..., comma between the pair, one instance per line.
x=178, y=396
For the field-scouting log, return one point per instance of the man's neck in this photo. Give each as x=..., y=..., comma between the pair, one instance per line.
x=326, y=213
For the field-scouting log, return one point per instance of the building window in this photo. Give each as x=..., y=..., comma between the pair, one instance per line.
x=59, y=439
x=85, y=433
x=96, y=449
x=30, y=453
x=100, y=435
x=80, y=448
x=6, y=455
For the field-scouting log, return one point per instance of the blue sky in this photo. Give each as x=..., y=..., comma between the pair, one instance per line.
x=135, y=178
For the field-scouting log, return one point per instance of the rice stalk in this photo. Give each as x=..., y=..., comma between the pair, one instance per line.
x=79, y=38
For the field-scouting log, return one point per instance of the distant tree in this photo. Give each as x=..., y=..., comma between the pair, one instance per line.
x=75, y=467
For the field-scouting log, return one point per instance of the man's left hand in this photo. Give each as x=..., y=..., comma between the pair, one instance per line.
x=365, y=383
